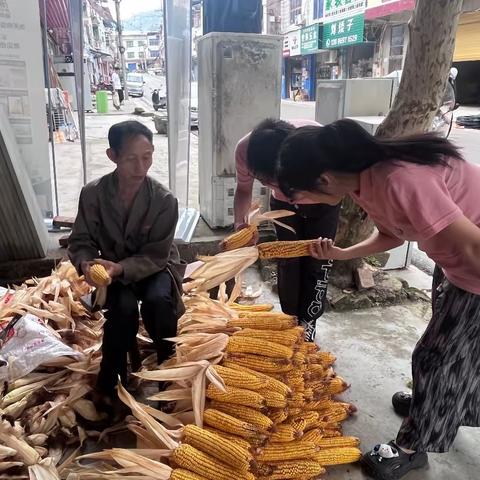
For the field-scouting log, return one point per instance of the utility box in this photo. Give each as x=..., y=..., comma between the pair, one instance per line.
x=354, y=97
x=239, y=85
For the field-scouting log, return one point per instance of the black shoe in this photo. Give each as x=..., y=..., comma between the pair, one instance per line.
x=401, y=402
x=388, y=462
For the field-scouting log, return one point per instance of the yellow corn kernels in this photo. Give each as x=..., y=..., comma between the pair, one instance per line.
x=246, y=414
x=239, y=379
x=239, y=239
x=315, y=436
x=285, y=433
x=336, y=442
x=226, y=423
x=218, y=447
x=190, y=458
x=285, y=249
x=240, y=396
x=289, y=337
x=239, y=441
x=338, y=456
x=182, y=474
x=99, y=275
x=324, y=358
x=256, y=346
x=276, y=452
x=278, y=415
x=260, y=363
x=263, y=321
x=292, y=469
x=273, y=399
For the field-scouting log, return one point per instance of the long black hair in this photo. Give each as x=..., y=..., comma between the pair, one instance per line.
x=264, y=146
x=344, y=146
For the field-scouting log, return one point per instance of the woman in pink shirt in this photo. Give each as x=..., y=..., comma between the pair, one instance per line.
x=415, y=188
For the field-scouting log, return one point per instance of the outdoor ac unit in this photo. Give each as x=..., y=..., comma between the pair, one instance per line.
x=333, y=56
x=239, y=85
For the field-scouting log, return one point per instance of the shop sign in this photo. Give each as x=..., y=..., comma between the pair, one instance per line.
x=311, y=39
x=383, y=8
x=339, y=9
x=342, y=33
x=291, y=44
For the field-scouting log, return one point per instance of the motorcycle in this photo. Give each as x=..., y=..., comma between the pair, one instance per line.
x=443, y=121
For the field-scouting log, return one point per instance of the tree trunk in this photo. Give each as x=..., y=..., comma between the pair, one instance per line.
x=427, y=64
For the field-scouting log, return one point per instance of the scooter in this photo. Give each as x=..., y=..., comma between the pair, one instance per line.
x=158, y=101
x=443, y=120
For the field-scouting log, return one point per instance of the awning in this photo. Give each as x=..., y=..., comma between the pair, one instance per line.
x=467, y=46
x=58, y=21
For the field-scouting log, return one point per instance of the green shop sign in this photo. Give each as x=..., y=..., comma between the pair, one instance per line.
x=342, y=33
x=310, y=39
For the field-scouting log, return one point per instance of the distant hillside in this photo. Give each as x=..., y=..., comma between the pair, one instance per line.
x=144, y=22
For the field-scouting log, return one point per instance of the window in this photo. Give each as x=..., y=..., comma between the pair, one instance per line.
x=141, y=43
x=130, y=55
x=154, y=41
x=317, y=9
x=155, y=53
x=141, y=54
x=295, y=10
x=130, y=43
x=397, y=39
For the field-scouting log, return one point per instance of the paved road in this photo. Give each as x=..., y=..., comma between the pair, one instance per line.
x=467, y=139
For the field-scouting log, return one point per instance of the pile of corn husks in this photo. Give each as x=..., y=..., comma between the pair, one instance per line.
x=46, y=413
x=46, y=417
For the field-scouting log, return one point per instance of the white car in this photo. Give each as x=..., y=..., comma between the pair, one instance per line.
x=135, y=84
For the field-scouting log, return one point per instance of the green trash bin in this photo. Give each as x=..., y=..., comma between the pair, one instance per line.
x=102, y=101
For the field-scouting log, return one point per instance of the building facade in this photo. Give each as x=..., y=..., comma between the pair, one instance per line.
x=142, y=50
x=338, y=39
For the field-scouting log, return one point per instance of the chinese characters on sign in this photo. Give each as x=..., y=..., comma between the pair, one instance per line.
x=291, y=44
x=342, y=33
x=310, y=39
x=338, y=9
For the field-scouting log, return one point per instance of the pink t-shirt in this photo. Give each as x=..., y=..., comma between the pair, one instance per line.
x=415, y=202
x=245, y=177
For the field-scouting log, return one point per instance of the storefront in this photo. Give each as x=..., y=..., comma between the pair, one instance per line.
x=467, y=59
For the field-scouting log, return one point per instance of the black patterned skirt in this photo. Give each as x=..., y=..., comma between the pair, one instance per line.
x=446, y=371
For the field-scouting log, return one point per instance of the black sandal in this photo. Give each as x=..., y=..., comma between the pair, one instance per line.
x=388, y=462
x=401, y=402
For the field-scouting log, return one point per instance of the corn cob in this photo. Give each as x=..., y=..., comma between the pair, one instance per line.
x=239, y=396
x=182, y=474
x=308, y=348
x=292, y=469
x=99, y=275
x=275, y=385
x=258, y=346
x=338, y=456
x=6, y=452
x=285, y=433
x=263, y=321
x=338, y=442
x=276, y=452
x=239, y=379
x=315, y=371
x=189, y=458
x=331, y=386
x=324, y=358
x=339, y=414
x=239, y=239
x=258, y=307
x=331, y=432
x=310, y=418
x=226, y=423
x=298, y=358
x=324, y=403
x=284, y=337
x=285, y=249
x=259, y=363
x=297, y=400
x=246, y=414
x=298, y=424
x=239, y=441
x=315, y=436
x=278, y=415
x=273, y=399
x=218, y=447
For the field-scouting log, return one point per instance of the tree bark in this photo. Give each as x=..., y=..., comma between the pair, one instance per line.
x=427, y=64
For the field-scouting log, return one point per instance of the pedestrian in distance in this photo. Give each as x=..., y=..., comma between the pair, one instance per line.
x=302, y=282
x=416, y=188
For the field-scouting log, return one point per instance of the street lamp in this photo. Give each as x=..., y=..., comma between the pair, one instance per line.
x=121, y=48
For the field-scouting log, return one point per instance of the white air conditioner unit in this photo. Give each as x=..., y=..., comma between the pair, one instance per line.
x=333, y=56
x=299, y=20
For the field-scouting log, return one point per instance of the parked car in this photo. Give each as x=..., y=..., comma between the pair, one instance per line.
x=135, y=84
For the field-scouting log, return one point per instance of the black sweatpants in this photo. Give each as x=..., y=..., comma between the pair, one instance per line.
x=121, y=95
x=122, y=321
x=302, y=282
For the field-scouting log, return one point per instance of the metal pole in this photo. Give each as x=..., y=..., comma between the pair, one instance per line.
x=46, y=63
x=121, y=47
